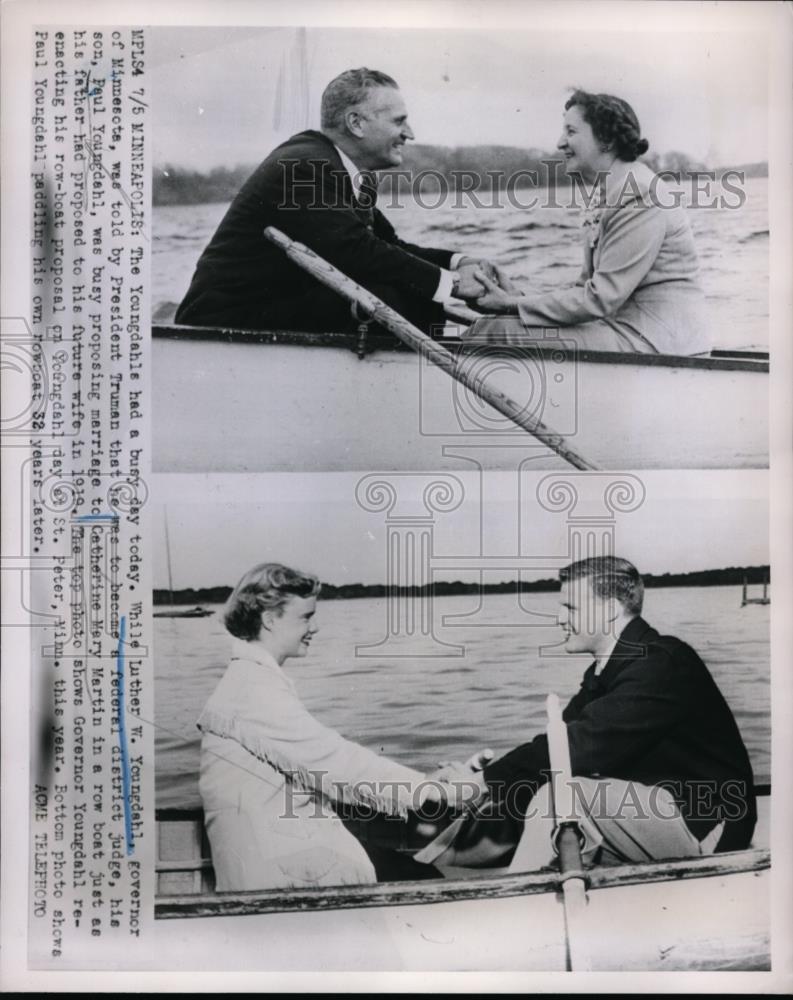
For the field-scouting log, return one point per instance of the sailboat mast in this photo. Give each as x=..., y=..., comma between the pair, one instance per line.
x=168, y=555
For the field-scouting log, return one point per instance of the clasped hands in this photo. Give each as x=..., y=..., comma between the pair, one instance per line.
x=487, y=286
x=455, y=783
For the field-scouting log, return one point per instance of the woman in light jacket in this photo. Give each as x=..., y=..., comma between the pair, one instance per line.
x=270, y=771
x=638, y=291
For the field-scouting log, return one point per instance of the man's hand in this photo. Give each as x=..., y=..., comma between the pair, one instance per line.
x=478, y=762
x=482, y=262
x=466, y=285
x=470, y=265
x=460, y=783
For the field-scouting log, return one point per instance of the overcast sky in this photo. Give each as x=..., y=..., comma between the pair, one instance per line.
x=218, y=99
x=688, y=521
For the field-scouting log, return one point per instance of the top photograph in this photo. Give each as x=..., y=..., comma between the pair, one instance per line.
x=433, y=250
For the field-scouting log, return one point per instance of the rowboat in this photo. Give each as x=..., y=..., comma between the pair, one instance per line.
x=286, y=400
x=706, y=913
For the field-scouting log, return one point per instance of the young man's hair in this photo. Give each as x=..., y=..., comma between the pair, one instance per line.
x=609, y=576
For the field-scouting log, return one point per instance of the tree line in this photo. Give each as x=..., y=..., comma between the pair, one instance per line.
x=731, y=576
x=468, y=168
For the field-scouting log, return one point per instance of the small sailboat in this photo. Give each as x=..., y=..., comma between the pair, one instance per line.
x=173, y=612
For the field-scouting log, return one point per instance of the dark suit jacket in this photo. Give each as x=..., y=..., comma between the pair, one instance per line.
x=654, y=715
x=303, y=189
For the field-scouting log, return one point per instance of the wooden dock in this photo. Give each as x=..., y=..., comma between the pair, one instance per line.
x=745, y=599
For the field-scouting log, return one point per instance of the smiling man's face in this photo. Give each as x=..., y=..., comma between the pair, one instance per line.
x=384, y=127
x=585, y=618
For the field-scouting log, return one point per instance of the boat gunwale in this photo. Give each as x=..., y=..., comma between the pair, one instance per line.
x=457, y=889
x=748, y=361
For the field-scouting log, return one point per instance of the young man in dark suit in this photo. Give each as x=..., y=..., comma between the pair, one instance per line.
x=659, y=766
x=319, y=188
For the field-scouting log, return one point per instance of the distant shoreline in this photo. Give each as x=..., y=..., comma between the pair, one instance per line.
x=176, y=185
x=731, y=576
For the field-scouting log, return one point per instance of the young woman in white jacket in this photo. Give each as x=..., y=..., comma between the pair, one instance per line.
x=270, y=771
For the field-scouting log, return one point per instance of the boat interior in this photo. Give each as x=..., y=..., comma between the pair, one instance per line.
x=185, y=879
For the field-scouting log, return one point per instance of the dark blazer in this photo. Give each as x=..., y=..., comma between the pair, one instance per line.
x=654, y=715
x=303, y=189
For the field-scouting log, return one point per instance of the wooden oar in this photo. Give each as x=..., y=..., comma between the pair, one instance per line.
x=424, y=345
x=568, y=843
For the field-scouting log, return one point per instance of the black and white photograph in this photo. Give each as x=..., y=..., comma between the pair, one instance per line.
x=397, y=496
x=577, y=222
x=365, y=719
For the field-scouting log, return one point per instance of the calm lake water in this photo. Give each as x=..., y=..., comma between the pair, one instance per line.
x=540, y=247
x=420, y=710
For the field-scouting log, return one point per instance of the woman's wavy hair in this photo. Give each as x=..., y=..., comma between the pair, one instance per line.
x=266, y=587
x=613, y=122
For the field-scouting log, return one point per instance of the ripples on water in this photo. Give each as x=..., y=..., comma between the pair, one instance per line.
x=732, y=247
x=421, y=711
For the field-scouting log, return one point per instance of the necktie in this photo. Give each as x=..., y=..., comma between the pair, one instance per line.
x=367, y=197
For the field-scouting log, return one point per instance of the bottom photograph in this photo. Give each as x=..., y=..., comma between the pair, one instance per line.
x=464, y=722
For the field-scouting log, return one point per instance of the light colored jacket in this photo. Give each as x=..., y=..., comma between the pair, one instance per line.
x=269, y=773
x=640, y=270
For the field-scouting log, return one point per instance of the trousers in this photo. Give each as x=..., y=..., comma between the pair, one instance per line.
x=621, y=821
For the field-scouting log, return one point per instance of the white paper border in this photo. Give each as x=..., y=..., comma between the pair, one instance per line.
x=774, y=18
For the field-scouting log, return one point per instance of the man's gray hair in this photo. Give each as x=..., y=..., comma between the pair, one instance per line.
x=610, y=576
x=349, y=89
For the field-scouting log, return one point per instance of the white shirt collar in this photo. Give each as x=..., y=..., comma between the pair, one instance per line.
x=604, y=658
x=352, y=170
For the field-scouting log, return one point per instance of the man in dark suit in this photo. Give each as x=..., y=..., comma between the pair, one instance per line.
x=660, y=768
x=320, y=188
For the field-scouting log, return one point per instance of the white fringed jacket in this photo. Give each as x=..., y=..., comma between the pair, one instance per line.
x=269, y=773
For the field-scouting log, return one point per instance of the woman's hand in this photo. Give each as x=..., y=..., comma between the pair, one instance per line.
x=497, y=299
x=458, y=783
x=506, y=282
